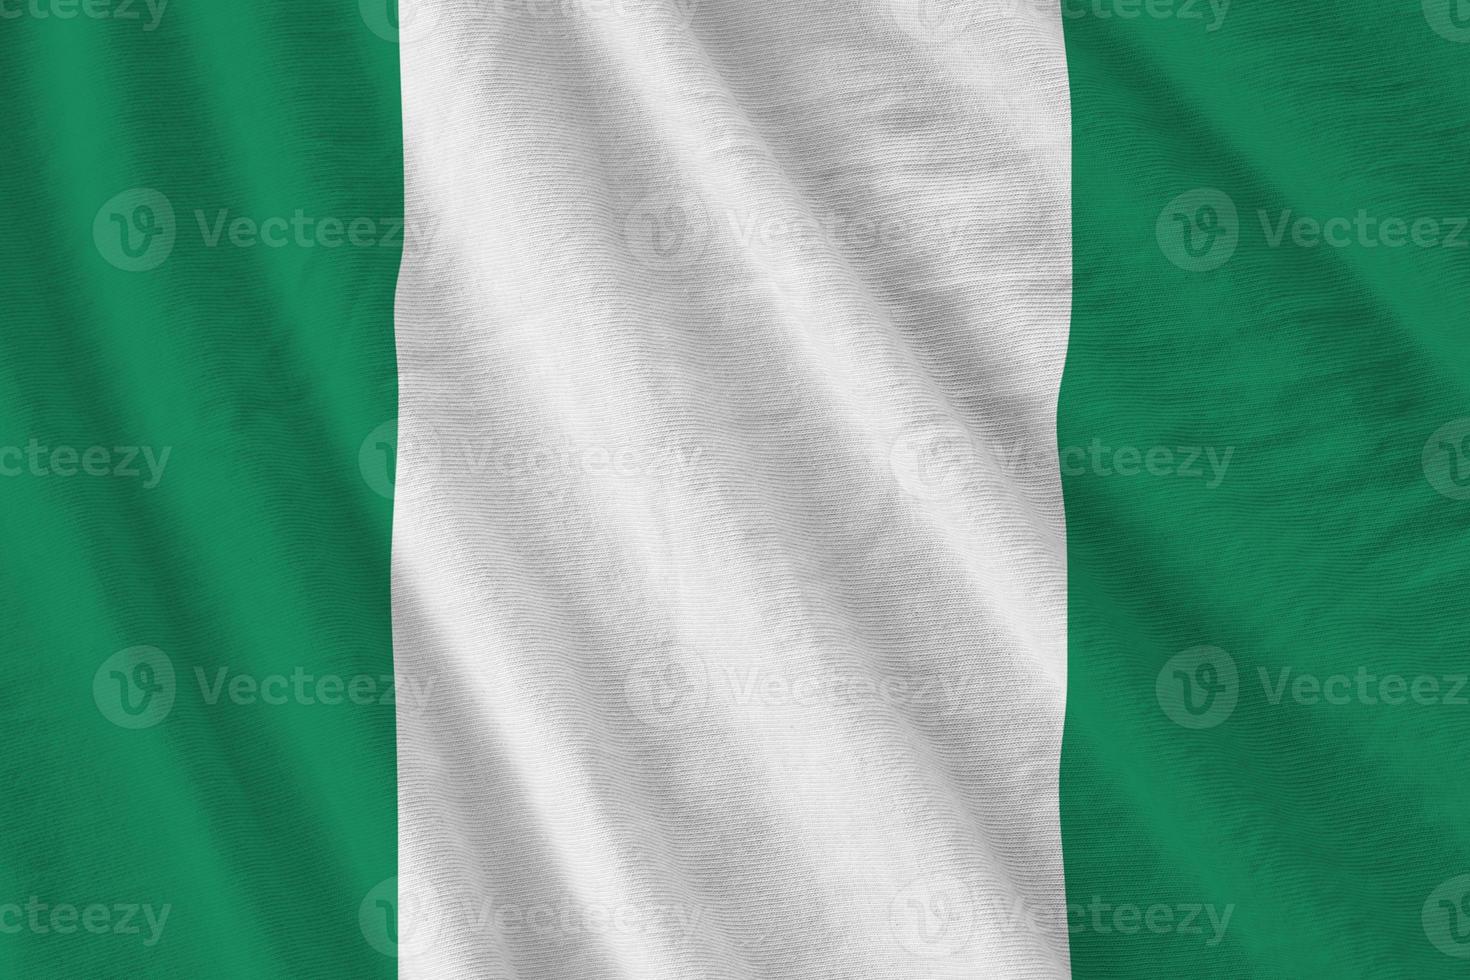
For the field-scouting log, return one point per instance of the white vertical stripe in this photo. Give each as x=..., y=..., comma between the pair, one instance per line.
x=729, y=582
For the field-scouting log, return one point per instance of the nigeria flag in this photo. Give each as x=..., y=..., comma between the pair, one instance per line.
x=735, y=489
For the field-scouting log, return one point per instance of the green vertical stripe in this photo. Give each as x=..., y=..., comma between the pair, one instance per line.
x=1266, y=459
x=200, y=780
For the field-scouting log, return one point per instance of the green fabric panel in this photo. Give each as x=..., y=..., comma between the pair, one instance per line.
x=1320, y=800
x=257, y=819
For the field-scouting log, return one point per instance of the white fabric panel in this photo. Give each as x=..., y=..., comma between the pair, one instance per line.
x=729, y=559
